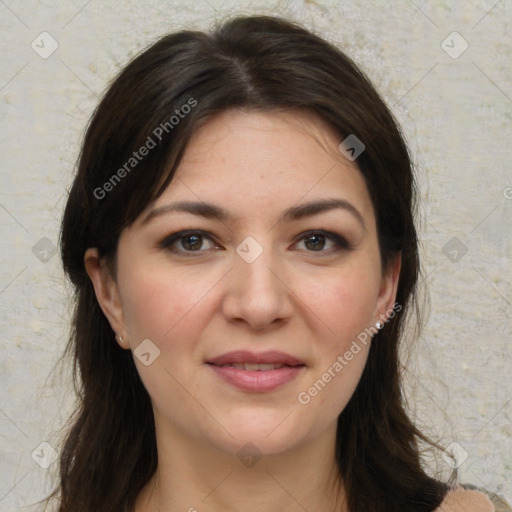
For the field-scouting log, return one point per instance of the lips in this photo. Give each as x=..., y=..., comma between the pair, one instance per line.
x=251, y=361
x=257, y=373
x=254, y=367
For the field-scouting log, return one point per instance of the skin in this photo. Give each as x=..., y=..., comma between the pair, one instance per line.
x=308, y=300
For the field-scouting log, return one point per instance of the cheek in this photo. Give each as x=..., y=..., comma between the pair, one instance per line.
x=159, y=304
x=356, y=297
x=167, y=308
x=346, y=308
x=344, y=305
x=344, y=302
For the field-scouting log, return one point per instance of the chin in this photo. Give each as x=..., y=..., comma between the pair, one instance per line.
x=274, y=434
x=257, y=445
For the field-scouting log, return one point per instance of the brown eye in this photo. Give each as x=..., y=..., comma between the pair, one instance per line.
x=191, y=242
x=315, y=241
x=186, y=242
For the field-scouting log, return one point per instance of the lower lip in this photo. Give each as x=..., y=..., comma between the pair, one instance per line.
x=257, y=381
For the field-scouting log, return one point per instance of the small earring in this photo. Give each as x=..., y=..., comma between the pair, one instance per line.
x=120, y=338
x=379, y=325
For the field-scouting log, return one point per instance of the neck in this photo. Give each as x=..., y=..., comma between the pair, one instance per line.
x=194, y=477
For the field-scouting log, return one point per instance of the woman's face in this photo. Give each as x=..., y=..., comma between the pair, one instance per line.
x=264, y=274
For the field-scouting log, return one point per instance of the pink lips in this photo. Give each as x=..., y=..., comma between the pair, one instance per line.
x=256, y=380
x=244, y=356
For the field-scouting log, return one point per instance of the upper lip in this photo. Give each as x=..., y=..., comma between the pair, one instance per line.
x=245, y=356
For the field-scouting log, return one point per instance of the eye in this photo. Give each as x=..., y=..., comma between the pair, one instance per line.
x=315, y=241
x=186, y=242
x=192, y=241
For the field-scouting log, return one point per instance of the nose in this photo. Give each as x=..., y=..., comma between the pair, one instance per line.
x=257, y=293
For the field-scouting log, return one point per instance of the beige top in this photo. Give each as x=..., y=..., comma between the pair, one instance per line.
x=465, y=500
x=468, y=500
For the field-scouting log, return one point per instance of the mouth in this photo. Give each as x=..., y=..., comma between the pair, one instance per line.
x=252, y=361
x=255, y=367
x=256, y=372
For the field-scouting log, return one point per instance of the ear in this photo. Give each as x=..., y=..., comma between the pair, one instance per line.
x=388, y=288
x=107, y=292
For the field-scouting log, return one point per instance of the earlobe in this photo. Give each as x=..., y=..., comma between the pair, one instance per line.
x=106, y=290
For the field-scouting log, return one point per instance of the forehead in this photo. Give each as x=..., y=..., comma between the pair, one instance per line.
x=262, y=162
x=275, y=137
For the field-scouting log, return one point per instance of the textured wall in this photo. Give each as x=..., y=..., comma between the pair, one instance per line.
x=444, y=68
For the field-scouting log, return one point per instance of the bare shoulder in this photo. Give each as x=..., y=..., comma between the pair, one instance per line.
x=468, y=498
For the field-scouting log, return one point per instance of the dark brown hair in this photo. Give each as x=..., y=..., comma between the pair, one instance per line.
x=256, y=63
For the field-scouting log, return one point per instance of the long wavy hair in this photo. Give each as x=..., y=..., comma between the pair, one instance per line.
x=256, y=63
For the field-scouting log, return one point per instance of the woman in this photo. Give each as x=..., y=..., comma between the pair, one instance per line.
x=240, y=237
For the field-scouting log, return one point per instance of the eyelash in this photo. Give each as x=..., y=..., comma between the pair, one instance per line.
x=340, y=242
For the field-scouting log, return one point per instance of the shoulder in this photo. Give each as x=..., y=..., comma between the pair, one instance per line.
x=460, y=499
x=465, y=500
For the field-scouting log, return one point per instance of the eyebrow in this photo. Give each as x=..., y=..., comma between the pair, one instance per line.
x=211, y=211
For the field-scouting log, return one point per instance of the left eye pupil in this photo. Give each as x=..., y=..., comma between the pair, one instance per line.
x=318, y=241
x=196, y=241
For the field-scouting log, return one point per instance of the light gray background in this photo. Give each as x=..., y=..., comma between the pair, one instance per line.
x=456, y=114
